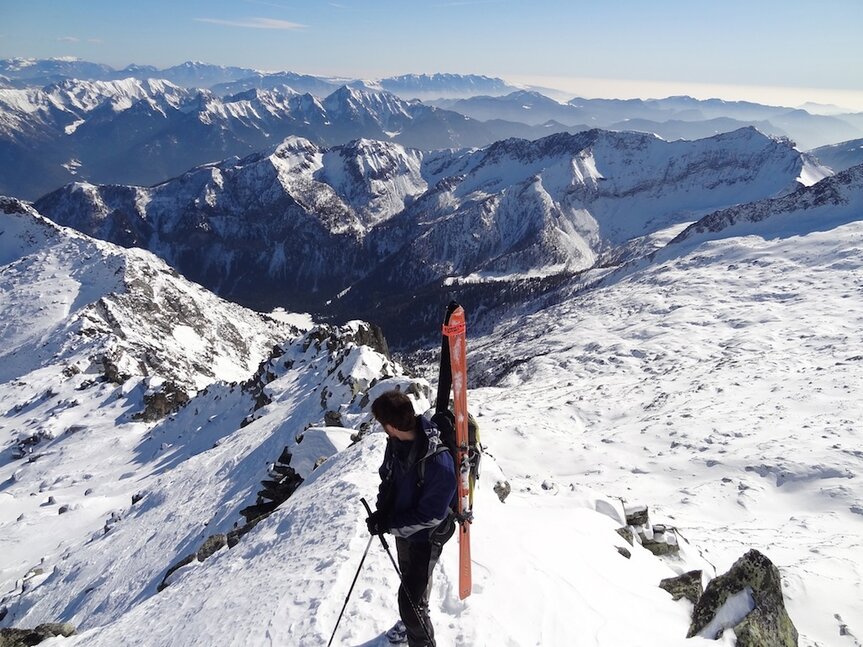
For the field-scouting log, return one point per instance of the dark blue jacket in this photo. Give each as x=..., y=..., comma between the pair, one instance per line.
x=416, y=500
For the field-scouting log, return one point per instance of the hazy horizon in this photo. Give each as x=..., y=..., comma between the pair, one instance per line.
x=775, y=52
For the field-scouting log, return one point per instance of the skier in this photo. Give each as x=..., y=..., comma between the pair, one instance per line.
x=415, y=501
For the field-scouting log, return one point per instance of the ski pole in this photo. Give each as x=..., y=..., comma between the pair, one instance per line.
x=351, y=590
x=401, y=579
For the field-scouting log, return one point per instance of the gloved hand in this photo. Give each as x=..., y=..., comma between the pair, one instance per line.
x=377, y=523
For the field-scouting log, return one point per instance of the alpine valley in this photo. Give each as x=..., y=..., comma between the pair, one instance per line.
x=222, y=268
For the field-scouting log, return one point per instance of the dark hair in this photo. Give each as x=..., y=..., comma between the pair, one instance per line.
x=396, y=409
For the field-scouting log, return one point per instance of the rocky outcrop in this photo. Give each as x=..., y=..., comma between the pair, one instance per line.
x=162, y=402
x=659, y=539
x=372, y=336
x=748, y=599
x=11, y=637
x=686, y=586
x=210, y=546
x=283, y=481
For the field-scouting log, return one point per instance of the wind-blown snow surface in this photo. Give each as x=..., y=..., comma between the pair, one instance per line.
x=719, y=384
x=716, y=383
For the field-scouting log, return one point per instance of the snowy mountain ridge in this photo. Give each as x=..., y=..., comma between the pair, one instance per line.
x=386, y=219
x=230, y=80
x=143, y=132
x=193, y=337
x=835, y=200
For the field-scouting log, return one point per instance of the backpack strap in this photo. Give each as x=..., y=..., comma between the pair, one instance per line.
x=421, y=466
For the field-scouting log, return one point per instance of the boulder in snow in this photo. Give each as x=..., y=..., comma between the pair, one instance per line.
x=748, y=599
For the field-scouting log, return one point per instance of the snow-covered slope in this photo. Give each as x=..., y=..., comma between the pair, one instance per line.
x=560, y=205
x=720, y=383
x=715, y=383
x=831, y=202
x=96, y=510
x=78, y=305
x=840, y=156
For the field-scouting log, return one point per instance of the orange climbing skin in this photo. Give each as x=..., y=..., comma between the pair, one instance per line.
x=456, y=335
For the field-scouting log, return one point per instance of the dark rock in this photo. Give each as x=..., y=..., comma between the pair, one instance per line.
x=624, y=551
x=188, y=559
x=12, y=637
x=112, y=372
x=659, y=539
x=235, y=535
x=259, y=510
x=636, y=515
x=167, y=400
x=71, y=370
x=660, y=548
x=137, y=497
x=372, y=336
x=686, y=586
x=627, y=534
x=278, y=469
x=211, y=545
x=502, y=489
x=333, y=419
x=285, y=456
x=767, y=624
x=63, y=509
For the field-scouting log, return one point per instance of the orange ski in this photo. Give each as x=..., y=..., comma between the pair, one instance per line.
x=455, y=332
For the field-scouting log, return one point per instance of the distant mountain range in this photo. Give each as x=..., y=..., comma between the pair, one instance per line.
x=129, y=127
x=144, y=132
x=21, y=72
x=671, y=118
x=365, y=227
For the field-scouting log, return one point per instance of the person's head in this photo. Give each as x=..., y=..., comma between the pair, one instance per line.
x=394, y=409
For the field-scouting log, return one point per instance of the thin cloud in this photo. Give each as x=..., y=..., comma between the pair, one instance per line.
x=68, y=39
x=254, y=23
x=95, y=41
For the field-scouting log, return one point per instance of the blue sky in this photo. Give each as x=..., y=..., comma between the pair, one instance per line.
x=617, y=46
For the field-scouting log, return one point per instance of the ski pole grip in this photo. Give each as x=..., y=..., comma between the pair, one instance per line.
x=365, y=503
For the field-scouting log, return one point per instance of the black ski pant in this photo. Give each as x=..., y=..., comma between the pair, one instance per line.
x=416, y=562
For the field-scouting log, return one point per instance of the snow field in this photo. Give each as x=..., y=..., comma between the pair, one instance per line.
x=717, y=387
